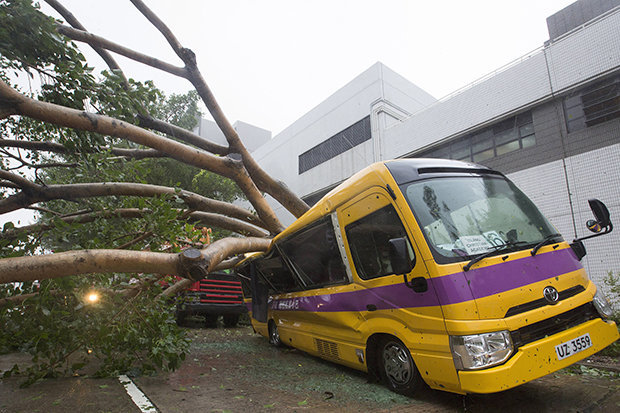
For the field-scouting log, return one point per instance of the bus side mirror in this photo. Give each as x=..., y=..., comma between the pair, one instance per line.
x=600, y=226
x=601, y=213
x=399, y=256
x=401, y=264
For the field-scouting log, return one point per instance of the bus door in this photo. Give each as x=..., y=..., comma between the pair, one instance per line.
x=315, y=257
x=260, y=295
x=369, y=221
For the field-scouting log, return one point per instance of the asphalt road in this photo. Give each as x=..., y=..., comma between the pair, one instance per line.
x=234, y=370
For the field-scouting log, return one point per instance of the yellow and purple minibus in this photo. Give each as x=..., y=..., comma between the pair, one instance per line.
x=431, y=271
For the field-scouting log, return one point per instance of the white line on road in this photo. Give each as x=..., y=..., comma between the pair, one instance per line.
x=143, y=403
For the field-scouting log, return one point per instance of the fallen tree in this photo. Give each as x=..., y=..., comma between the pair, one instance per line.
x=85, y=152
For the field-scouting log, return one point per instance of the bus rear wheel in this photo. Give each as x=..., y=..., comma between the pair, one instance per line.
x=396, y=366
x=274, y=335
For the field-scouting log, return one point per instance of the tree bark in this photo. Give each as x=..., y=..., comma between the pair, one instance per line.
x=262, y=180
x=92, y=39
x=62, y=264
x=224, y=248
x=182, y=134
x=72, y=118
x=39, y=193
x=204, y=218
x=58, y=148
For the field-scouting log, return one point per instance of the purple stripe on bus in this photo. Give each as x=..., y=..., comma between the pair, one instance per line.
x=449, y=289
x=383, y=298
x=507, y=276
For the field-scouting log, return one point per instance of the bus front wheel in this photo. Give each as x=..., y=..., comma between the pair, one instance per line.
x=274, y=335
x=397, y=368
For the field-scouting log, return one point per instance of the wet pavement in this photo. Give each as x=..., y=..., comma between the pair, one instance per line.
x=234, y=370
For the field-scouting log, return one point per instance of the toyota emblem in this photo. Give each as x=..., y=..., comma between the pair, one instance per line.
x=551, y=295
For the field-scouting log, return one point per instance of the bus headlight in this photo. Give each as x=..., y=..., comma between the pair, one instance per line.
x=602, y=305
x=479, y=351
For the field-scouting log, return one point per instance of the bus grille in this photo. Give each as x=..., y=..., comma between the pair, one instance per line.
x=327, y=349
x=541, y=302
x=554, y=325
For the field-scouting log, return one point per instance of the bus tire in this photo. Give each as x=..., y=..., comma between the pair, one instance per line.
x=230, y=320
x=397, y=368
x=274, y=335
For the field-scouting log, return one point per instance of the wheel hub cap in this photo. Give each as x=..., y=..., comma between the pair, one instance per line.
x=397, y=364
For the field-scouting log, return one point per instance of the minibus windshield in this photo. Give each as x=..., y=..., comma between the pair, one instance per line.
x=466, y=216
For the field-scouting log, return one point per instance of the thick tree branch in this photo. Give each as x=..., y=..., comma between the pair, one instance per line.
x=72, y=118
x=7, y=184
x=58, y=148
x=18, y=180
x=204, y=218
x=182, y=134
x=91, y=190
x=62, y=264
x=73, y=21
x=213, y=258
x=222, y=249
x=262, y=180
x=220, y=221
x=94, y=40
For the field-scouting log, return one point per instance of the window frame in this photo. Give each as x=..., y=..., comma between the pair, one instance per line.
x=369, y=210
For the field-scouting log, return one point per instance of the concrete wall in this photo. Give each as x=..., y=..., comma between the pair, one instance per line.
x=576, y=14
x=560, y=172
x=353, y=102
x=580, y=57
x=593, y=174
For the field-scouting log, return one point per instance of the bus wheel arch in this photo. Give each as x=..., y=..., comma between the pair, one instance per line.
x=389, y=360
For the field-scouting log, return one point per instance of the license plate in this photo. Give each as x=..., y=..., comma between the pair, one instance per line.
x=574, y=346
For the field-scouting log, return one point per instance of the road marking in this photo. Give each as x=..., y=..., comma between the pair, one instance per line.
x=140, y=400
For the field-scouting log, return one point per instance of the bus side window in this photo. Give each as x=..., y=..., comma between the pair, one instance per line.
x=246, y=278
x=368, y=241
x=315, y=256
x=276, y=272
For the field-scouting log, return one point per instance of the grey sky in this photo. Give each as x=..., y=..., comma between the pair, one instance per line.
x=270, y=61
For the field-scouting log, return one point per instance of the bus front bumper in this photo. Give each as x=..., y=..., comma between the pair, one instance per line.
x=538, y=359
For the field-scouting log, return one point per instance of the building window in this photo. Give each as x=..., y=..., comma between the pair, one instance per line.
x=506, y=136
x=593, y=104
x=341, y=142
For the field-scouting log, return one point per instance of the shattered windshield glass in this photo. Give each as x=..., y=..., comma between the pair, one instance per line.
x=465, y=216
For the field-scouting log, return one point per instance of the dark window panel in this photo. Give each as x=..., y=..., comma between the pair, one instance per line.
x=341, y=142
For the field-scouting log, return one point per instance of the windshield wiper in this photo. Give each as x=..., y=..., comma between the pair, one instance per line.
x=496, y=248
x=545, y=241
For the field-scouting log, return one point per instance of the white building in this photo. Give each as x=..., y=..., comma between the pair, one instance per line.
x=549, y=120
